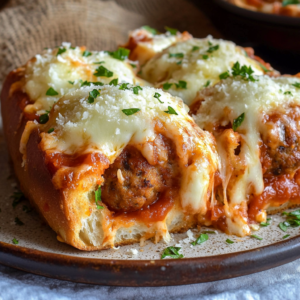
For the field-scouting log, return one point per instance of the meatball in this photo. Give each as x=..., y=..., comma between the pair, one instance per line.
x=131, y=183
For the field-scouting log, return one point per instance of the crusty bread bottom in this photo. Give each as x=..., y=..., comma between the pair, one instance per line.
x=93, y=235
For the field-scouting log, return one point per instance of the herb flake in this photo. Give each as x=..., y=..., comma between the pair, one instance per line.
x=103, y=72
x=61, y=51
x=130, y=111
x=120, y=54
x=167, y=86
x=256, y=237
x=171, y=111
x=177, y=55
x=86, y=53
x=172, y=31
x=172, y=252
x=238, y=121
x=51, y=92
x=181, y=84
x=228, y=241
x=150, y=29
x=136, y=89
x=201, y=239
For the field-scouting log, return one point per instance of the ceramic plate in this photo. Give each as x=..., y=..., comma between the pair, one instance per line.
x=39, y=252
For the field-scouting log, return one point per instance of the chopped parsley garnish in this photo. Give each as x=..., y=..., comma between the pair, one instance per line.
x=150, y=29
x=228, y=241
x=51, y=92
x=17, y=198
x=157, y=95
x=244, y=71
x=296, y=84
x=44, y=118
x=173, y=31
x=92, y=95
x=102, y=71
x=51, y=130
x=98, y=198
x=61, y=51
x=207, y=83
x=195, y=48
x=211, y=49
x=136, y=89
x=15, y=241
x=114, y=82
x=264, y=224
x=282, y=226
x=205, y=56
x=18, y=221
x=124, y=86
x=203, y=237
x=98, y=62
x=130, y=111
x=86, y=53
x=289, y=2
x=167, y=85
x=171, y=111
x=133, y=65
x=71, y=82
x=293, y=220
x=178, y=55
x=73, y=48
x=89, y=83
x=120, y=54
x=172, y=252
x=179, y=62
x=238, y=121
x=224, y=75
x=264, y=68
x=285, y=236
x=288, y=93
x=294, y=213
x=181, y=84
x=256, y=237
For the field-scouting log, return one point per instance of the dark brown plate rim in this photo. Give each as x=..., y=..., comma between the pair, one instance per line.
x=264, y=17
x=149, y=272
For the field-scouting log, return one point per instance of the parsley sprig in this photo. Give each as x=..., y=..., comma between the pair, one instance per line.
x=103, y=72
x=173, y=31
x=203, y=237
x=244, y=72
x=172, y=252
x=130, y=111
x=150, y=29
x=93, y=95
x=293, y=220
x=120, y=54
x=238, y=121
x=171, y=111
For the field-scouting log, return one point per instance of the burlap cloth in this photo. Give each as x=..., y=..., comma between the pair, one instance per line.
x=26, y=27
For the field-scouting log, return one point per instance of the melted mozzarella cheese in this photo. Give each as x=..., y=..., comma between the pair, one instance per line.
x=197, y=63
x=102, y=126
x=255, y=100
x=66, y=72
x=148, y=44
